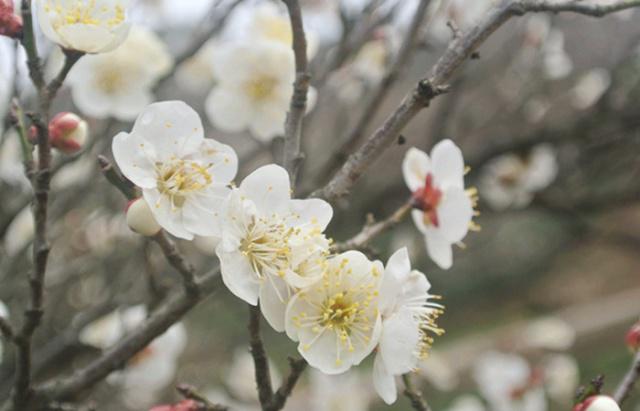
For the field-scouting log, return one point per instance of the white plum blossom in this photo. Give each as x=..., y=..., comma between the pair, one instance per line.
x=184, y=176
x=467, y=402
x=255, y=84
x=337, y=320
x=345, y=392
x=150, y=370
x=590, y=87
x=508, y=383
x=444, y=209
x=119, y=83
x=512, y=180
x=549, y=333
x=408, y=323
x=90, y=26
x=556, y=62
x=271, y=245
x=561, y=378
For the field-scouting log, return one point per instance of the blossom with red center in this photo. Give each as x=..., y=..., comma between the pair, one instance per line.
x=442, y=208
x=10, y=23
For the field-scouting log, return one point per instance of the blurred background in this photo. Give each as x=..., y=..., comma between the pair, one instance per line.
x=547, y=117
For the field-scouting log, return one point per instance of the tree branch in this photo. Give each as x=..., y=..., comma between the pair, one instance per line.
x=626, y=385
x=177, y=261
x=260, y=360
x=297, y=367
x=418, y=403
x=298, y=105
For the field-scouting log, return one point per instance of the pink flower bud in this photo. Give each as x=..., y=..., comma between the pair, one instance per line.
x=68, y=132
x=633, y=337
x=185, y=405
x=140, y=218
x=597, y=403
x=10, y=23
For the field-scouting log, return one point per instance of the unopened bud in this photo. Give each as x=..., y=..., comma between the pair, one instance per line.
x=68, y=132
x=633, y=337
x=597, y=403
x=140, y=218
x=10, y=23
x=185, y=405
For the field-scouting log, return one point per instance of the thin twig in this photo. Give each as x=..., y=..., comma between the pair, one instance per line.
x=260, y=360
x=298, y=105
x=626, y=385
x=297, y=366
x=415, y=396
x=119, y=182
x=177, y=261
x=71, y=58
x=191, y=393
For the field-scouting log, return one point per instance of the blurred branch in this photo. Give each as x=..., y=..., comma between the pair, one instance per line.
x=458, y=51
x=418, y=403
x=297, y=366
x=29, y=43
x=298, y=105
x=190, y=393
x=372, y=229
x=260, y=360
x=626, y=385
x=177, y=261
x=6, y=329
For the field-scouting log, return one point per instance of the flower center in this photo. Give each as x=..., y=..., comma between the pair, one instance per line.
x=261, y=87
x=110, y=80
x=266, y=245
x=427, y=199
x=85, y=12
x=179, y=178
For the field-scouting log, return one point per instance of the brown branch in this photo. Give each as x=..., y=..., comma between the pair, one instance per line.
x=298, y=105
x=260, y=360
x=418, y=403
x=123, y=185
x=372, y=229
x=458, y=51
x=626, y=385
x=177, y=261
x=71, y=57
x=6, y=329
x=297, y=366
x=190, y=393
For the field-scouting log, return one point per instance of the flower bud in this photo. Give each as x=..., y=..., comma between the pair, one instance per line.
x=68, y=132
x=10, y=23
x=597, y=403
x=140, y=218
x=185, y=405
x=633, y=337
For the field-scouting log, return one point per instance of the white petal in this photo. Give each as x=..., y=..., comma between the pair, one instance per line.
x=268, y=120
x=274, y=296
x=314, y=210
x=398, y=342
x=418, y=220
x=397, y=269
x=238, y=275
x=222, y=158
x=454, y=215
x=415, y=167
x=127, y=107
x=132, y=160
x=172, y=127
x=166, y=215
x=201, y=212
x=85, y=37
x=384, y=382
x=439, y=249
x=296, y=306
x=322, y=354
x=228, y=109
x=448, y=165
x=269, y=188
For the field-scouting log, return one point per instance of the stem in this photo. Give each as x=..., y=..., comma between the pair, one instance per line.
x=418, y=403
x=260, y=360
x=626, y=385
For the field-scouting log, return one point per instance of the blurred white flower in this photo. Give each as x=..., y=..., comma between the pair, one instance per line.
x=346, y=392
x=11, y=165
x=511, y=180
x=370, y=64
x=206, y=245
x=508, y=383
x=590, y=87
x=561, y=378
x=19, y=234
x=119, y=83
x=196, y=74
x=462, y=13
x=149, y=371
x=550, y=333
x=556, y=62
x=241, y=379
x=271, y=245
x=255, y=84
x=91, y=26
x=467, y=402
x=337, y=321
x=163, y=14
x=184, y=177
x=439, y=372
x=443, y=208
x=408, y=323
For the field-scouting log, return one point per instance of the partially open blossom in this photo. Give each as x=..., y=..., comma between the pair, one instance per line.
x=10, y=23
x=508, y=383
x=119, y=83
x=271, y=245
x=91, y=26
x=633, y=337
x=597, y=403
x=255, y=84
x=183, y=176
x=408, y=323
x=140, y=218
x=337, y=321
x=68, y=132
x=511, y=180
x=443, y=209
